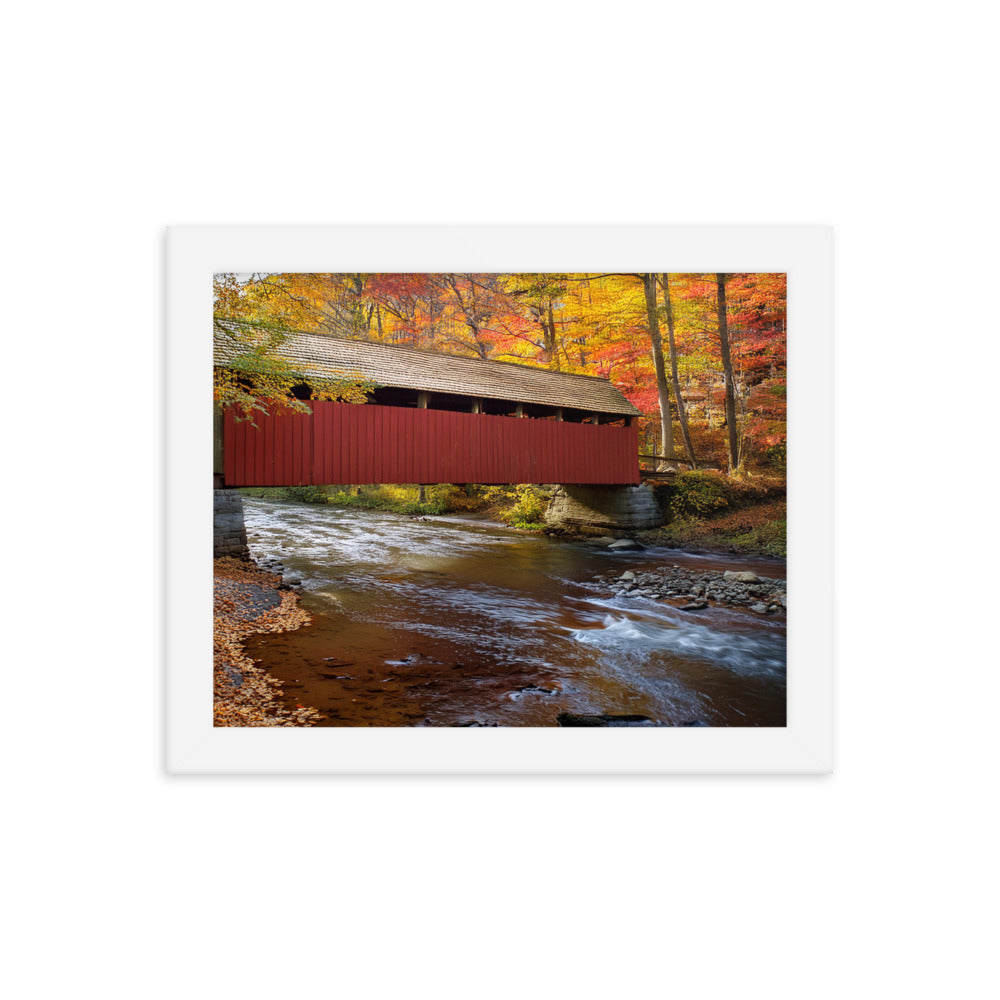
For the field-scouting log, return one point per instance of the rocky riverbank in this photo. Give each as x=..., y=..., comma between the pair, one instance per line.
x=250, y=601
x=695, y=590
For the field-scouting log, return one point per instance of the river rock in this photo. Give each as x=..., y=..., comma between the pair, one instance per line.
x=760, y=609
x=573, y=719
x=693, y=606
x=696, y=586
x=233, y=674
x=626, y=545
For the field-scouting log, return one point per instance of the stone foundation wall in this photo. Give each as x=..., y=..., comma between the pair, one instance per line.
x=230, y=537
x=626, y=508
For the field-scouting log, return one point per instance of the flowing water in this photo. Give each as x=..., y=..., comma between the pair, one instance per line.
x=452, y=622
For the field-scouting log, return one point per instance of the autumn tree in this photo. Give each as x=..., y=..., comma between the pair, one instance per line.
x=732, y=432
x=672, y=344
x=256, y=377
x=539, y=295
x=662, y=390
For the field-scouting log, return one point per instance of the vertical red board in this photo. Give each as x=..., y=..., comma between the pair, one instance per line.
x=420, y=446
x=355, y=455
x=265, y=427
x=344, y=460
x=283, y=465
x=357, y=418
x=228, y=448
x=250, y=437
x=492, y=443
x=256, y=450
x=331, y=443
x=409, y=431
x=465, y=451
x=383, y=440
x=340, y=447
x=242, y=454
x=510, y=469
x=495, y=446
x=496, y=449
x=365, y=414
x=270, y=426
x=462, y=428
x=337, y=444
x=402, y=424
x=499, y=449
x=425, y=451
x=391, y=444
x=307, y=447
x=314, y=443
x=484, y=446
x=245, y=453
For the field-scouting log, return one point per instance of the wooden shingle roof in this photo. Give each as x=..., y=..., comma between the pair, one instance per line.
x=317, y=354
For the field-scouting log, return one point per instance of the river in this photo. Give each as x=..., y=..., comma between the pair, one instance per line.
x=450, y=621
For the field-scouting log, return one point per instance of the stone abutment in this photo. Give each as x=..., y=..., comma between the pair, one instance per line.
x=230, y=536
x=624, y=508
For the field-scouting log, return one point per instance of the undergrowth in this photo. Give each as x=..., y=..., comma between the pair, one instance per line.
x=710, y=510
x=522, y=506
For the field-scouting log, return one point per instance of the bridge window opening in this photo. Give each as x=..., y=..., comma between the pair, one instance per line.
x=450, y=401
x=538, y=412
x=390, y=396
x=301, y=391
x=499, y=407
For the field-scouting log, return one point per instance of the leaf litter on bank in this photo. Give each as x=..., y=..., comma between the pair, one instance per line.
x=244, y=693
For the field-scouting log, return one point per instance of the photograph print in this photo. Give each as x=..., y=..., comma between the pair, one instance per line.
x=499, y=499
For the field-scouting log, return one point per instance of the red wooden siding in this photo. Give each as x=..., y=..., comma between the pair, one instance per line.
x=344, y=443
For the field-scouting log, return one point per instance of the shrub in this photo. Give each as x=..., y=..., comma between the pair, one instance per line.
x=528, y=508
x=698, y=494
x=305, y=494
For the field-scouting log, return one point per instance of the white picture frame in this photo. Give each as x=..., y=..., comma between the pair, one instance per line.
x=804, y=745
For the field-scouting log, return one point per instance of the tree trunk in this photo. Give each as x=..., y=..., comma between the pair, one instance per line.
x=662, y=390
x=678, y=398
x=551, y=345
x=735, y=459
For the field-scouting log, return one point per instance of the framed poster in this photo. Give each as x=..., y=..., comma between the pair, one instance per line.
x=505, y=555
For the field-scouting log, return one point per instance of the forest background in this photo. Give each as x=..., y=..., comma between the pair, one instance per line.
x=702, y=356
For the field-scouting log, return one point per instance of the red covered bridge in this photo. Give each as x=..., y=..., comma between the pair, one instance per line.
x=431, y=418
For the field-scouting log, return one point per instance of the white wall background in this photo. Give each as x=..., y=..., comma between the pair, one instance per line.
x=878, y=118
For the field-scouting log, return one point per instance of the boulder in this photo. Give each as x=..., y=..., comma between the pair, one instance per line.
x=741, y=576
x=572, y=719
x=626, y=545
